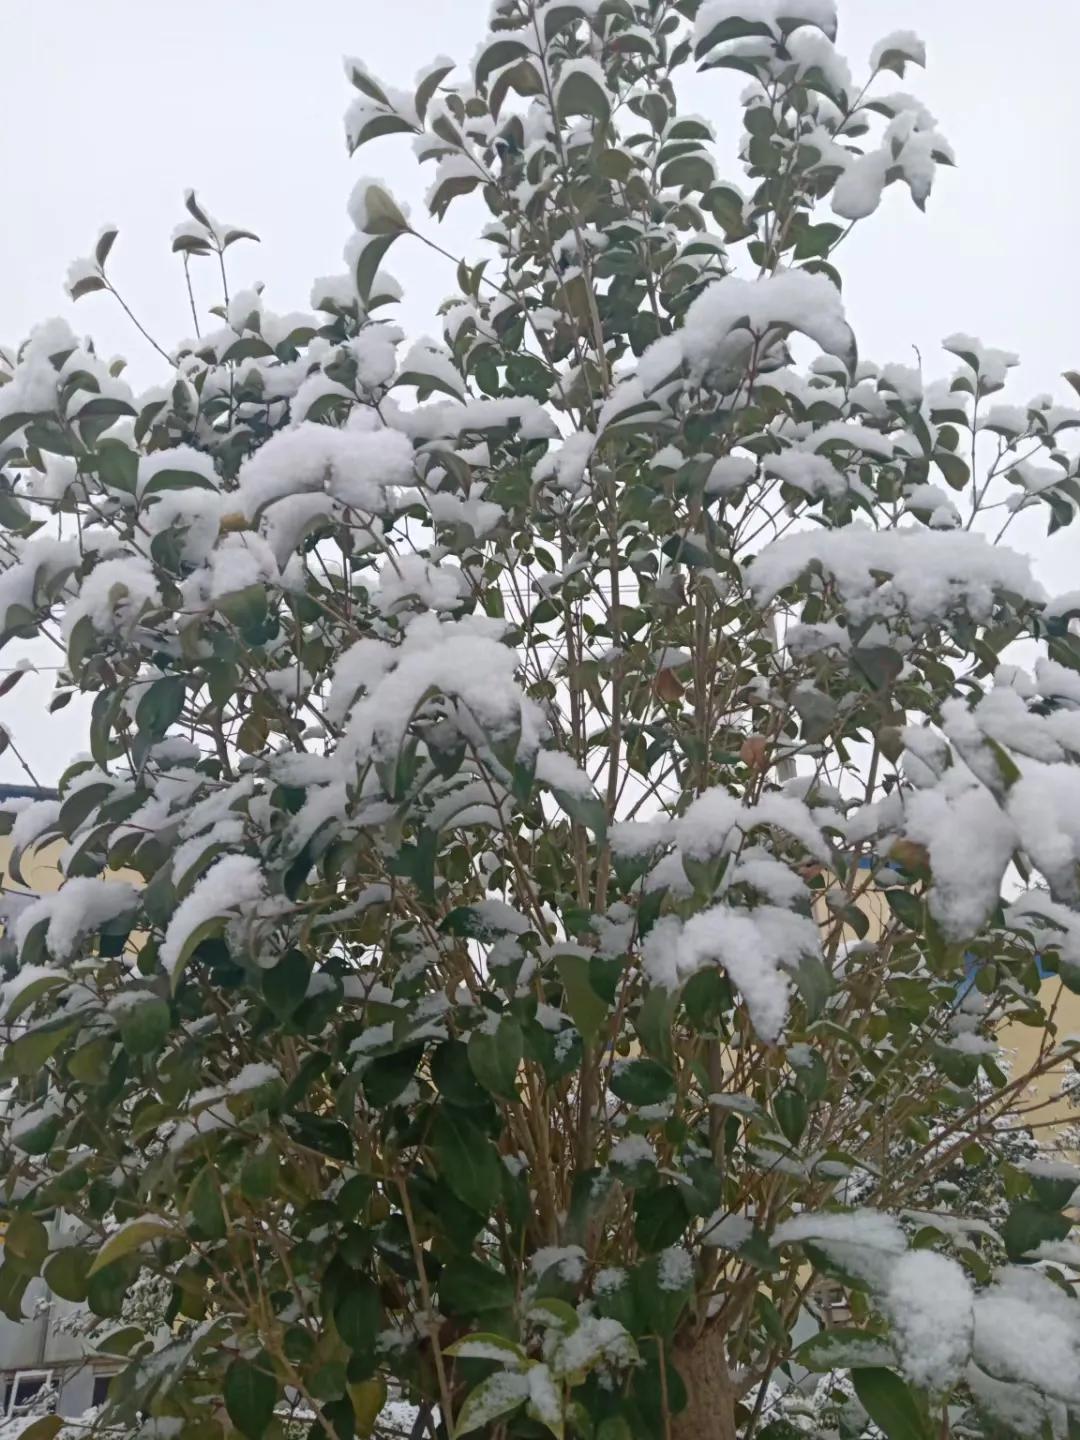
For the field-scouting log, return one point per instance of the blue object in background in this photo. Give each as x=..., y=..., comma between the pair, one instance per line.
x=971, y=969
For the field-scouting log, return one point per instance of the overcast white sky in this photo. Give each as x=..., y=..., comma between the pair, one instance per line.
x=113, y=108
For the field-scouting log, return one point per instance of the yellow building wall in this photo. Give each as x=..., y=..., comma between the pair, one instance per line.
x=1043, y=1106
x=40, y=869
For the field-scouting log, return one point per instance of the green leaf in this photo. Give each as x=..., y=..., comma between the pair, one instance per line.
x=67, y=1272
x=879, y=664
x=508, y=1350
x=40, y=1138
x=496, y=55
x=427, y=87
x=654, y=1021
x=896, y=58
x=250, y=1395
x=367, y=84
x=285, y=986
x=1051, y=1192
x=328, y=1137
x=1028, y=1225
x=498, y=1395
x=1007, y=767
x=956, y=472
x=890, y=1404
x=388, y=1075
x=660, y=1217
x=105, y=243
x=469, y=1287
x=86, y=286
x=195, y=210
x=467, y=1160
x=249, y=347
x=454, y=1078
x=26, y=997
x=13, y=1283
x=586, y=1007
x=587, y=810
x=495, y=1058
x=642, y=1082
x=13, y=516
x=907, y=908
x=614, y=1428
x=145, y=1026
x=817, y=712
x=80, y=641
x=48, y=436
x=26, y=1242
x=176, y=479
x=844, y=1349
x=811, y=1074
x=354, y=1196
x=659, y=1304
x=105, y=407
x=690, y=172
x=358, y=1314
x=558, y=13
x=422, y=380
x=45, y=1427
x=311, y=1067
x=545, y=1406
x=705, y=997
x=382, y=215
x=790, y=1110
x=206, y=930
x=439, y=199
x=79, y=804
x=203, y=1204
x=121, y=1340
x=379, y=125
x=161, y=705
x=474, y=923
x=15, y=421
x=685, y=552
x=367, y=1398
x=772, y=1320
x=128, y=1238
x=549, y=1310
x=259, y=1176
x=246, y=608
x=106, y=1290
x=368, y=262
x=816, y=240
x=28, y=1053
x=731, y=28
x=580, y=94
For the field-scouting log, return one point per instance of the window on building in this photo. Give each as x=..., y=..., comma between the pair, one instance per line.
x=23, y=1388
x=101, y=1390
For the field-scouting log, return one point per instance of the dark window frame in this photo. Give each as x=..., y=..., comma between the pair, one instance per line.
x=101, y=1377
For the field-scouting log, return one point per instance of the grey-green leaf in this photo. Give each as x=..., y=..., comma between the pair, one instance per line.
x=250, y=1395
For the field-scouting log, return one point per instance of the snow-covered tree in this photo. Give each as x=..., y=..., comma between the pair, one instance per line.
x=463, y=987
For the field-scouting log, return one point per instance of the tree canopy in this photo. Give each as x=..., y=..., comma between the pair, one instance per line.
x=568, y=805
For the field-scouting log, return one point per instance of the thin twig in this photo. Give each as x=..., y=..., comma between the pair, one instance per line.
x=191, y=296
x=136, y=322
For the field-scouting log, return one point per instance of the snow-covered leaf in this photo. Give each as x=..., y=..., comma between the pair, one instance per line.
x=131, y=1236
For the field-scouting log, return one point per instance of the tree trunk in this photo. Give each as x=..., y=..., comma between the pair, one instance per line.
x=710, y=1405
